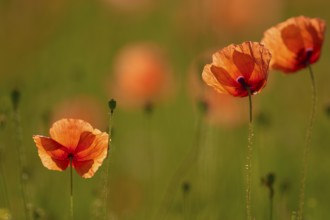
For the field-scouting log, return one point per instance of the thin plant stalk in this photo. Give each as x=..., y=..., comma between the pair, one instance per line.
x=248, y=165
x=2, y=175
x=148, y=110
x=20, y=151
x=71, y=191
x=184, y=166
x=306, y=149
x=112, y=106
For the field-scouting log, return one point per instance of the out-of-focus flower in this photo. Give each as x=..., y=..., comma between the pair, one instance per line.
x=129, y=6
x=75, y=143
x=242, y=14
x=84, y=107
x=221, y=109
x=141, y=76
x=295, y=43
x=238, y=67
x=223, y=16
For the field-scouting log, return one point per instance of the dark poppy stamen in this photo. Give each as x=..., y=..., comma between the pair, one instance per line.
x=309, y=53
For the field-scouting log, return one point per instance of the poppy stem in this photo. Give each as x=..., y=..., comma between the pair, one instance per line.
x=306, y=149
x=148, y=110
x=112, y=106
x=71, y=190
x=248, y=165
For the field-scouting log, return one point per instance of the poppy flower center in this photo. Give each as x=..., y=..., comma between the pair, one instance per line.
x=70, y=156
x=309, y=52
x=241, y=81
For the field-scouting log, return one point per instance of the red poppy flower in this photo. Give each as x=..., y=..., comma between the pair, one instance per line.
x=236, y=67
x=295, y=43
x=73, y=140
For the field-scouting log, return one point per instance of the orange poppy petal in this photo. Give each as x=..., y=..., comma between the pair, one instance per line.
x=211, y=80
x=85, y=169
x=53, y=156
x=86, y=140
x=88, y=161
x=67, y=132
x=97, y=148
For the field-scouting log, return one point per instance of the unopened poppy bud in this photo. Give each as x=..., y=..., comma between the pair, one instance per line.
x=15, y=98
x=112, y=105
x=186, y=187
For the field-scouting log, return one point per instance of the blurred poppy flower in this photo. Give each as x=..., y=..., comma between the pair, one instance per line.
x=142, y=75
x=295, y=43
x=84, y=107
x=73, y=140
x=238, y=67
x=129, y=6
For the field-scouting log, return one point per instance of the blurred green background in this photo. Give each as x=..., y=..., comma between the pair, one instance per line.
x=57, y=52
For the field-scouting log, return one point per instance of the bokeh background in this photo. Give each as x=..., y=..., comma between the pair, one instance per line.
x=170, y=157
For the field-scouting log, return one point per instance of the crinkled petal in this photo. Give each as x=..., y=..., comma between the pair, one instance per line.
x=87, y=161
x=53, y=155
x=211, y=80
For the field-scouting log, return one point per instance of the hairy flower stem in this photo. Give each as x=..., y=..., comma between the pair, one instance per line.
x=112, y=106
x=248, y=165
x=71, y=190
x=306, y=149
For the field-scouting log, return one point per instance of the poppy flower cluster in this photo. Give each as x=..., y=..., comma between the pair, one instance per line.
x=73, y=142
x=288, y=46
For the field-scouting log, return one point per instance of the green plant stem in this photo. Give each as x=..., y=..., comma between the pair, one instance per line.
x=306, y=149
x=271, y=199
x=71, y=191
x=182, y=169
x=18, y=128
x=150, y=155
x=248, y=165
x=106, y=191
x=248, y=174
x=2, y=175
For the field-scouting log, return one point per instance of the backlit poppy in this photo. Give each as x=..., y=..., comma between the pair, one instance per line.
x=295, y=43
x=75, y=141
x=238, y=67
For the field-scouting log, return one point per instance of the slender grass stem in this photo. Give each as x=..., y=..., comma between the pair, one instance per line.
x=112, y=106
x=71, y=191
x=306, y=149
